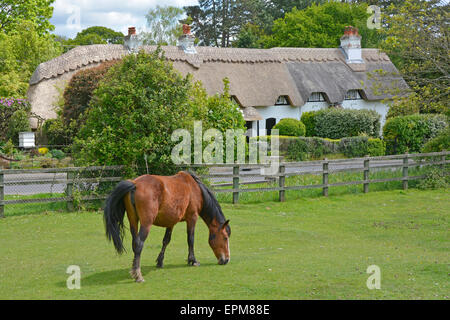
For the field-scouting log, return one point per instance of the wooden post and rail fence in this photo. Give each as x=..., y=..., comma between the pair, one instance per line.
x=69, y=176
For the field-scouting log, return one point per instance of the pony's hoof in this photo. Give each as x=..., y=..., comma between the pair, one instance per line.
x=160, y=265
x=139, y=280
x=194, y=263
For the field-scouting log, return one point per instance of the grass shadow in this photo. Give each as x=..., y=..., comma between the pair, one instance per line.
x=122, y=276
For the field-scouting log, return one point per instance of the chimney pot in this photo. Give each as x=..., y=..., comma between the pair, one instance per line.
x=351, y=45
x=131, y=31
x=186, y=29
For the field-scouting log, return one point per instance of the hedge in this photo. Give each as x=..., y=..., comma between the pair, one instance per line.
x=337, y=123
x=410, y=133
x=314, y=147
x=290, y=127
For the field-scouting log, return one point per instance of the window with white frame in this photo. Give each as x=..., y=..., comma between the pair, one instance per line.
x=316, y=97
x=353, y=95
x=282, y=100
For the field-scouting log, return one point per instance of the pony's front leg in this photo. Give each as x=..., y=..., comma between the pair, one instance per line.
x=190, y=238
x=138, y=244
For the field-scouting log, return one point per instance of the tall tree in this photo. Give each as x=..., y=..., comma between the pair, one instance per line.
x=164, y=25
x=106, y=35
x=278, y=8
x=322, y=26
x=417, y=41
x=21, y=52
x=13, y=12
x=218, y=22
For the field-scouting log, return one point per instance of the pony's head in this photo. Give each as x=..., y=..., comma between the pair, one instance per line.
x=219, y=240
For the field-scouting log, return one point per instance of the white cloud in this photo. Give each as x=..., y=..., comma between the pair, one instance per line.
x=72, y=16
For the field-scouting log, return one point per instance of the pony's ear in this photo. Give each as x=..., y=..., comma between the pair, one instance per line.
x=225, y=224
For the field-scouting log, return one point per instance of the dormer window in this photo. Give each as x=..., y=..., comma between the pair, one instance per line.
x=282, y=100
x=353, y=95
x=316, y=97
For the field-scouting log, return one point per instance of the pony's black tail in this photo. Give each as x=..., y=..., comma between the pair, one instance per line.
x=114, y=213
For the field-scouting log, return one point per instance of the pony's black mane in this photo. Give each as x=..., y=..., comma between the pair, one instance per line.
x=211, y=208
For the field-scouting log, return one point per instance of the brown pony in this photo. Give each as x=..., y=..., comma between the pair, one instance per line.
x=164, y=201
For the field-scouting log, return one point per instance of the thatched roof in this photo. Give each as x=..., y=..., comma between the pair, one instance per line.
x=257, y=76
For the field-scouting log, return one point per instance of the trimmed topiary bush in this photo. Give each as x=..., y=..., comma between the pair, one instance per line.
x=290, y=127
x=309, y=120
x=338, y=123
x=410, y=133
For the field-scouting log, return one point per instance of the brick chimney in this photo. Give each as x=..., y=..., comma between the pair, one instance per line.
x=351, y=45
x=132, y=41
x=186, y=40
x=131, y=31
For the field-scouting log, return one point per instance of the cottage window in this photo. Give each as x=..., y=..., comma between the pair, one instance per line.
x=316, y=97
x=353, y=95
x=282, y=100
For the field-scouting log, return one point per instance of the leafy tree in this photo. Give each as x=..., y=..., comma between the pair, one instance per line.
x=14, y=12
x=22, y=50
x=164, y=26
x=106, y=35
x=218, y=22
x=137, y=106
x=278, y=8
x=417, y=41
x=321, y=26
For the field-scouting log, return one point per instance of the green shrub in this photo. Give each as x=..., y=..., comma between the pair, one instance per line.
x=376, y=147
x=57, y=154
x=9, y=106
x=434, y=179
x=361, y=146
x=56, y=132
x=439, y=143
x=410, y=133
x=309, y=120
x=304, y=148
x=79, y=90
x=290, y=127
x=19, y=122
x=336, y=123
x=402, y=109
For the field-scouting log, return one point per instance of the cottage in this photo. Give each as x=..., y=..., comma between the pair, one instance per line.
x=268, y=84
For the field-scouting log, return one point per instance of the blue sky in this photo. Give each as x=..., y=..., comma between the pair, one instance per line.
x=72, y=16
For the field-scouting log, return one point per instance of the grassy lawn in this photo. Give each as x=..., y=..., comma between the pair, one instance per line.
x=306, y=248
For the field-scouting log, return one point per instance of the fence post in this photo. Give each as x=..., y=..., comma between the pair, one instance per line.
x=366, y=176
x=69, y=190
x=2, y=194
x=281, y=180
x=405, y=172
x=236, y=184
x=325, y=178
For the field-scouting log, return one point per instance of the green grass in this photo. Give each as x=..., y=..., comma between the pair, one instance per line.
x=308, y=248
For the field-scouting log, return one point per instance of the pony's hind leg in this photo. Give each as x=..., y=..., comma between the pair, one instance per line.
x=166, y=240
x=138, y=244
